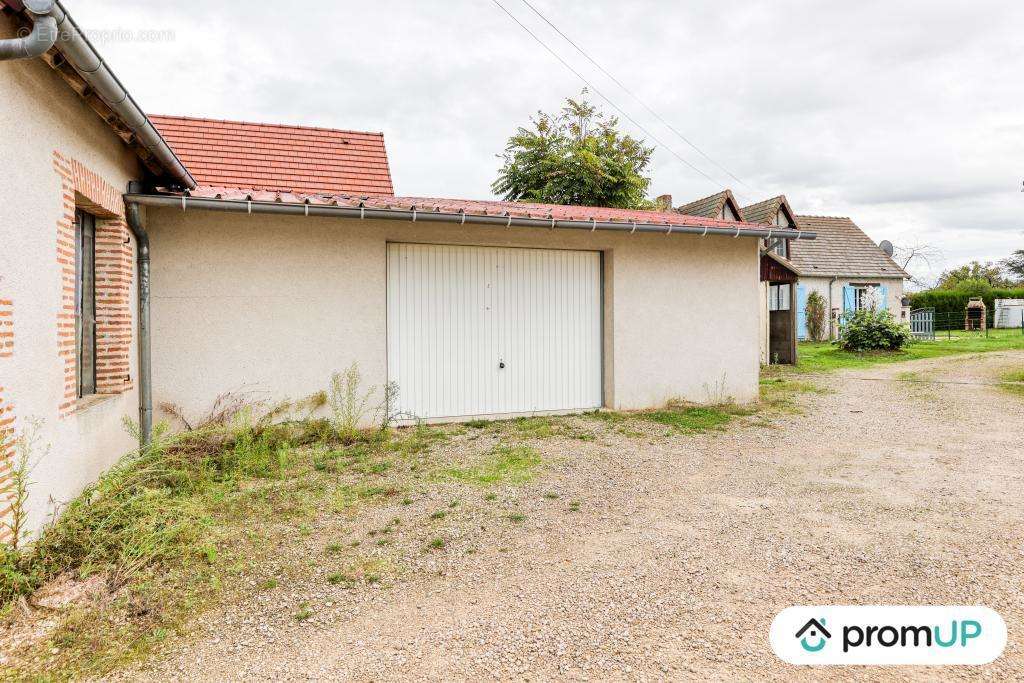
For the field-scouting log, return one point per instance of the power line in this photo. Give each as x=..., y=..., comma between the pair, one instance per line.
x=635, y=97
x=603, y=96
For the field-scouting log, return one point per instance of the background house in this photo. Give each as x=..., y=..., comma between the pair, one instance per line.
x=847, y=268
x=843, y=264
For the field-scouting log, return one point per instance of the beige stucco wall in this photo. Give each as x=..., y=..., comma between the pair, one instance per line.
x=273, y=305
x=40, y=114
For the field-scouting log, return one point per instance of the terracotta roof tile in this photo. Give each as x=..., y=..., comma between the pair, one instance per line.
x=469, y=206
x=265, y=156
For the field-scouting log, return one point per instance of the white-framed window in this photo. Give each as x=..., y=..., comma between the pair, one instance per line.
x=866, y=296
x=782, y=246
x=778, y=297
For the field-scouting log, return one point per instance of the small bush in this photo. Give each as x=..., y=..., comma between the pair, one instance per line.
x=817, y=316
x=348, y=402
x=872, y=330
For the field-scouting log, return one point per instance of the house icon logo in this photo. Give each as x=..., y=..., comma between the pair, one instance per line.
x=815, y=632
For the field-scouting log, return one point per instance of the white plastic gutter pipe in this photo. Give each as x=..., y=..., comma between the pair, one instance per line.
x=243, y=206
x=54, y=26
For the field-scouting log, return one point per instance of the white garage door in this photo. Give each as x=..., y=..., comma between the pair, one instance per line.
x=488, y=331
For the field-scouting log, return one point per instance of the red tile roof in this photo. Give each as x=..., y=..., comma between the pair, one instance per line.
x=263, y=156
x=473, y=207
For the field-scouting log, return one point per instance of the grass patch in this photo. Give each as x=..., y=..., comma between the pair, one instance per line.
x=1013, y=382
x=436, y=544
x=168, y=531
x=364, y=570
x=607, y=416
x=419, y=439
x=536, y=427
x=348, y=495
x=825, y=357
x=304, y=613
x=690, y=420
x=501, y=465
x=779, y=393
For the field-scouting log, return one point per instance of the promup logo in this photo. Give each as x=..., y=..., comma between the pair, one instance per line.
x=888, y=635
x=813, y=629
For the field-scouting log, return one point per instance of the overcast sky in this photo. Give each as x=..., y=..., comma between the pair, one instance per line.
x=906, y=116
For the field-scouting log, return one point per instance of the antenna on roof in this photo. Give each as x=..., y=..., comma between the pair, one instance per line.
x=886, y=246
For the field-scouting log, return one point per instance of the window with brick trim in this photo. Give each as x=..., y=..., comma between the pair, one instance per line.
x=85, y=302
x=91, y=201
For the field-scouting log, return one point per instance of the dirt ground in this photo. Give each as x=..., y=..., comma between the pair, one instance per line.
x=675, y=553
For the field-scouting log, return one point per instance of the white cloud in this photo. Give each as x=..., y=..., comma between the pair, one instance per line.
x=905, y=116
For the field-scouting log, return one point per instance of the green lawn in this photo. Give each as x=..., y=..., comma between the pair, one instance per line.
x=824, y=356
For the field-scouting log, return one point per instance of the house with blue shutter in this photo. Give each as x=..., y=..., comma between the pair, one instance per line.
x=847, y=268
x=843, y=264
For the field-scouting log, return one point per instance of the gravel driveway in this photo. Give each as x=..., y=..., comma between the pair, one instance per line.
x=684, y=548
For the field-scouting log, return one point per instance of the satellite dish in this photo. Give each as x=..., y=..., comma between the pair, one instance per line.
x=886, y=246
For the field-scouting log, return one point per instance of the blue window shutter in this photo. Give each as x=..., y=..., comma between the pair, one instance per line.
x=883, y=293
x=801, y=311
x=849, y=299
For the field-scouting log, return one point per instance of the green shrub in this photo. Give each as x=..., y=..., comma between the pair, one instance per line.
x=817, y=316
x=871, y=330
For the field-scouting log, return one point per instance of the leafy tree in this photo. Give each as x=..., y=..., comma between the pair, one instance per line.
x=817, y=312
x=575, y=157
x=1014, y=265
x=974, y=287
x=975, y=270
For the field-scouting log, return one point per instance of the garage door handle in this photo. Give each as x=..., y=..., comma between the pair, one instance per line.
x=501, y=364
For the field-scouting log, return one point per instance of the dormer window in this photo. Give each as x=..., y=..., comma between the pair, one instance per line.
x=782, y=221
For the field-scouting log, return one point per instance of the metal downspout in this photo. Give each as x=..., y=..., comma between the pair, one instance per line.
x=36, y=43
x=831, y=326
x=145, y=356
x=53, y=26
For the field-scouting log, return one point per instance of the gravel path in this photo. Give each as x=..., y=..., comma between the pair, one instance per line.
x=684, y=548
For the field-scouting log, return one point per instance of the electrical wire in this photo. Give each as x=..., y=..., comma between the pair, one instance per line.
x=635, y=97
x=605, y=97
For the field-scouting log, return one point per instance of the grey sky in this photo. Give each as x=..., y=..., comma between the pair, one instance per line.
x=906, y=116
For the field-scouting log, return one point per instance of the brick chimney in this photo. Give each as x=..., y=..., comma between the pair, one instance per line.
x=664, y=202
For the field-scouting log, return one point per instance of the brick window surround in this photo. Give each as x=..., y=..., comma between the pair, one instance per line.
x=83, y=189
